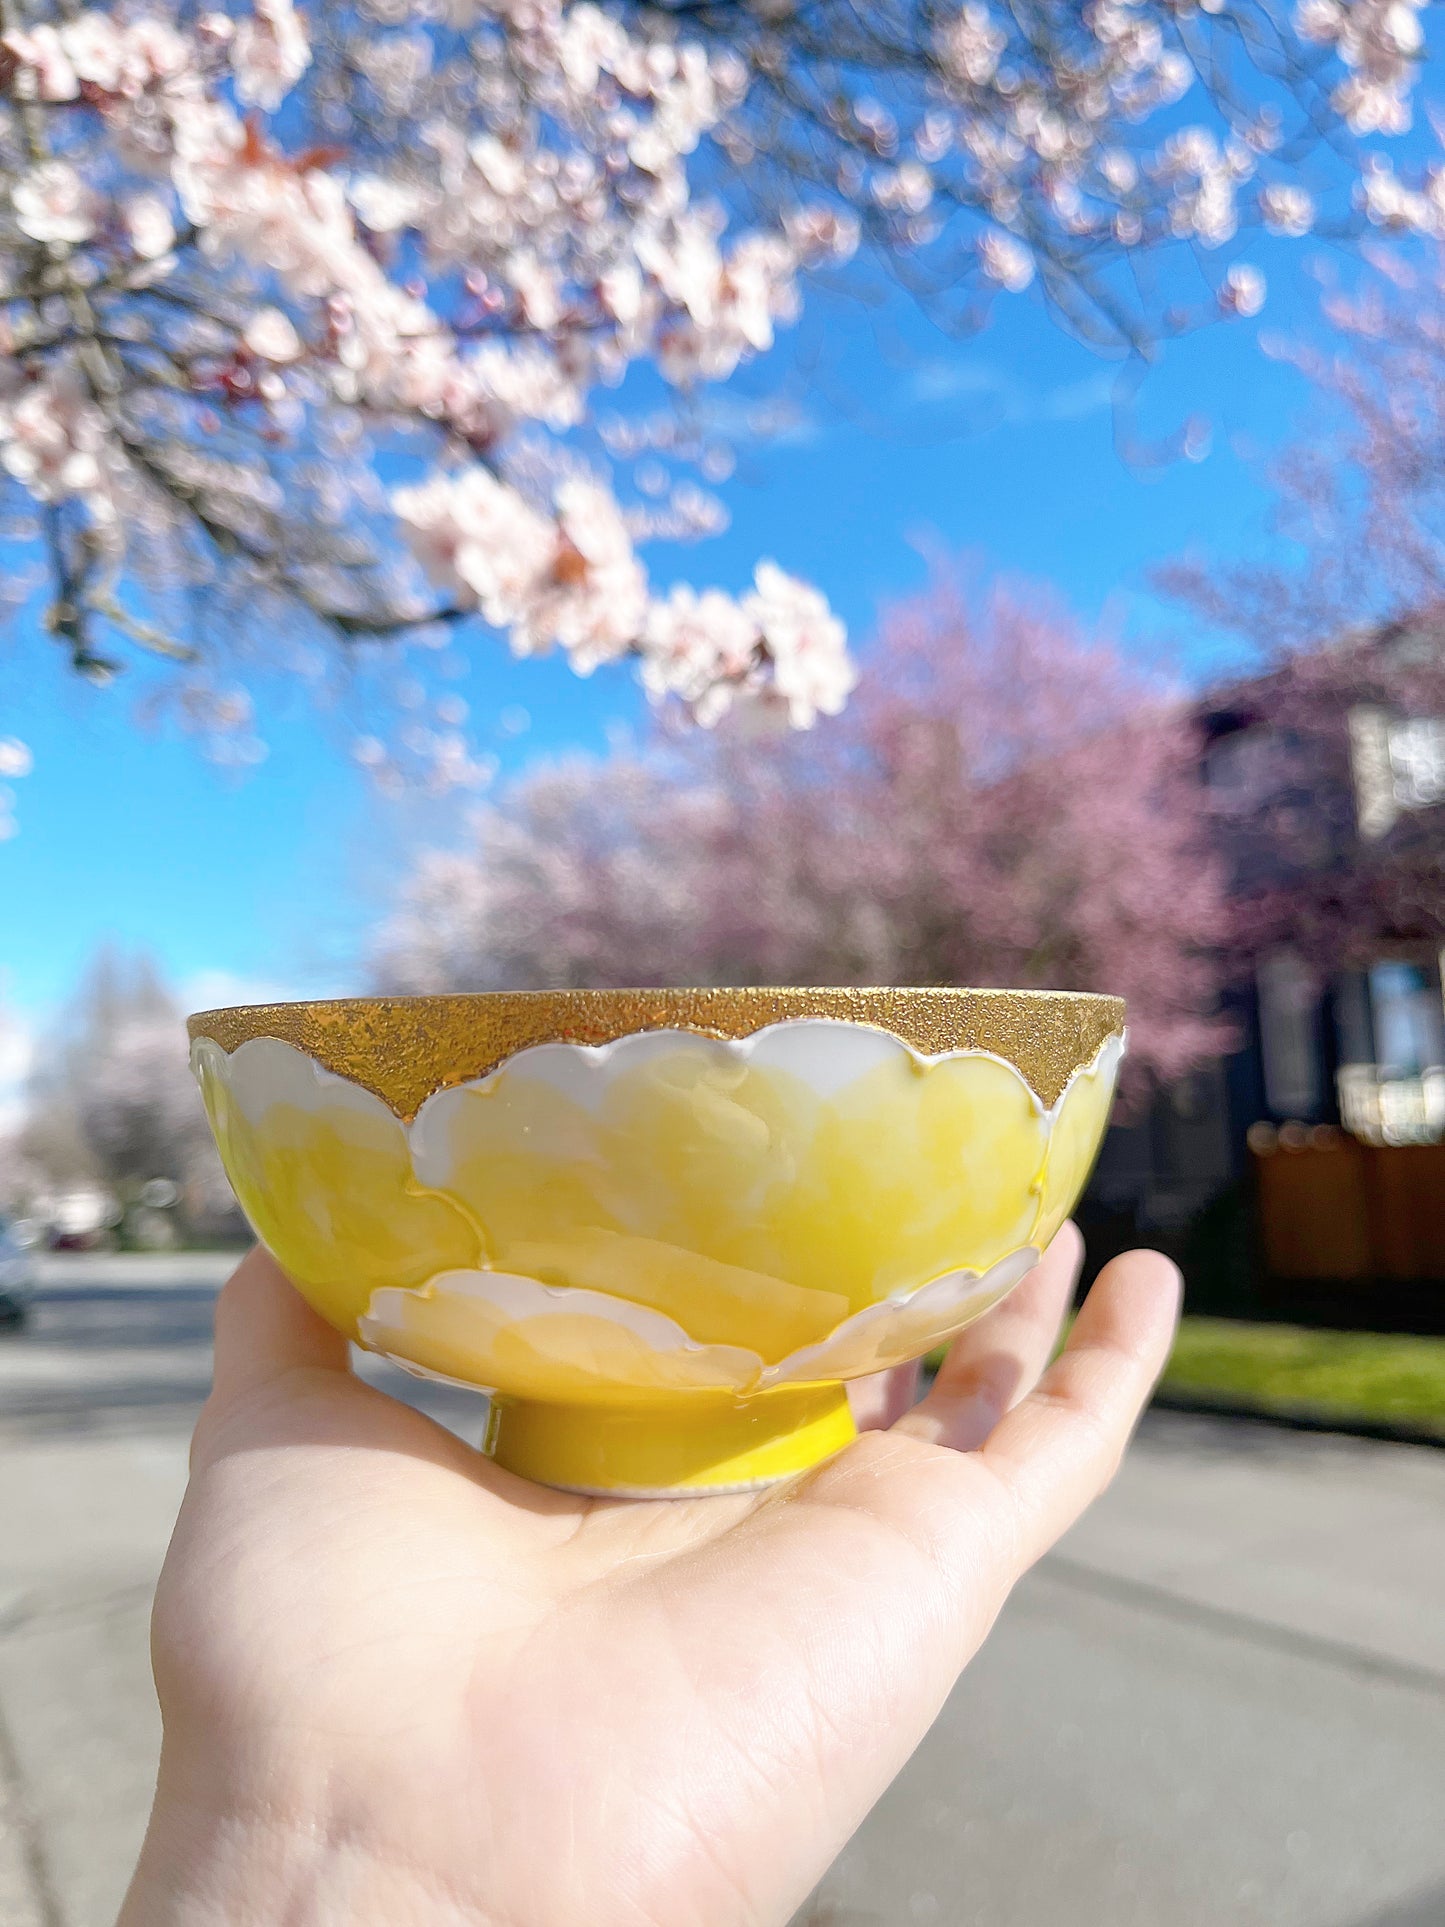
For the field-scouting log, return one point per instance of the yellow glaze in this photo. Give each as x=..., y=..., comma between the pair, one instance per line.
x=727, y=1445
x=665, y=1232
x=1077, y=1131
x=326, y=1183
x=732, y=1197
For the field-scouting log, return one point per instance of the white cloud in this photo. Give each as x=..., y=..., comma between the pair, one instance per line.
x=215, y=989
x=1002, y=398
x=951, y=380
x=780, y=422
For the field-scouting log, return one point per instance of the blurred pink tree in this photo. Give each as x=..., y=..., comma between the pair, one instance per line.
x=111, y=1100
x=1009, y=800
x=1339, y=728
x=1357, y=535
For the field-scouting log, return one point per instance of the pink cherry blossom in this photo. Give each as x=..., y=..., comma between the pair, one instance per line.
x=596, y=599
x=53, y=439
x=1243, y=290
x=478, y=538
x=271, y=335
x=813, y=673
x=444, y=237
x=150, y=227
x=45, y=68
x=1287, y=209
x=699, y=647
x=971, y=45
x=1359, y=560
x=53, y=203
x=1006, y=260
x=1379, y=43
x=99, y=51
x=269, y=54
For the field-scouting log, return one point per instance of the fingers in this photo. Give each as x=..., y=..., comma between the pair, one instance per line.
x=992, y=1364
x=975, y=1520
x=988, y=1368
x=978, y=1518
x=883, y=1569
x=884, y=1397
x=269, y=1338
x=1058, y=1448
x=264, y=1329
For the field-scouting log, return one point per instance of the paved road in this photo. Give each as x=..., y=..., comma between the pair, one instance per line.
x=1222, y=1701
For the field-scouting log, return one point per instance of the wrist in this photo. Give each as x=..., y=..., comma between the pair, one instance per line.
x=203, y=1867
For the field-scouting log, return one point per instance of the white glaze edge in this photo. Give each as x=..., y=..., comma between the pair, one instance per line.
x=516, y=1297
x=265, y=1071
x=671, y=1491
x=964, y=1286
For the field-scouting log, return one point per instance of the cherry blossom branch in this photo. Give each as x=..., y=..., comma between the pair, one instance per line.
x=256, y=266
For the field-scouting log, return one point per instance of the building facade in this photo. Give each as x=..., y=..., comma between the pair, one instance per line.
x=1320, y=1140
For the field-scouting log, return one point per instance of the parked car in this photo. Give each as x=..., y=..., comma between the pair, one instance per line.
x=17, y=1278
x=81, y=1217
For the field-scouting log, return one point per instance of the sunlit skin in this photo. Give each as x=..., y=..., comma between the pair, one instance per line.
x=401, y=1686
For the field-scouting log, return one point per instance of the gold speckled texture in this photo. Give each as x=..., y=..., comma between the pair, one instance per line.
x=403, y=1049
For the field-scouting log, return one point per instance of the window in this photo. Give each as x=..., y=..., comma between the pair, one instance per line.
x=1409, y=1022
x=1289, y=1002
x=1241, y=768
x=1417, y=762
x=1398, y=764
x=1390, y=1025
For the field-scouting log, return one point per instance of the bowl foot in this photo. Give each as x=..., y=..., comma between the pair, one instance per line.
x=690, y=1449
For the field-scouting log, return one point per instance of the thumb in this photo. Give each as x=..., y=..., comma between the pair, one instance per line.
x=265, y=1329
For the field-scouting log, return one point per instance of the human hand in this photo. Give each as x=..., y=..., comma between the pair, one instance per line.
x=402, y=1686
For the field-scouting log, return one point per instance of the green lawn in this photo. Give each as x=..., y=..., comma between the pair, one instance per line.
x=1361, y=1374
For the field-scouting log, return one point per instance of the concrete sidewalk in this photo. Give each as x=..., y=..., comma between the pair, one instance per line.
x=1222, y=1700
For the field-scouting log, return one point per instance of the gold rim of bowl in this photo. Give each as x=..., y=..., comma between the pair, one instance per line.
x=405, y=1049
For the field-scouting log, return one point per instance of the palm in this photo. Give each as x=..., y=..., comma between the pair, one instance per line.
x=492, y=1702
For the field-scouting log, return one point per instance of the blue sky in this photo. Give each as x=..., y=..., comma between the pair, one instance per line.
x=1001, y=446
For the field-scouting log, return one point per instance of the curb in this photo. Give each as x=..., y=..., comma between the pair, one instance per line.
x=1300, y=1418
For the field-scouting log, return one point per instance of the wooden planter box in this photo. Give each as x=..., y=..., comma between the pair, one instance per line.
x=1333, y=1208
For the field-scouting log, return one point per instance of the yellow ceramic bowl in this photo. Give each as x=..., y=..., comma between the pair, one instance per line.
x=662, y=1228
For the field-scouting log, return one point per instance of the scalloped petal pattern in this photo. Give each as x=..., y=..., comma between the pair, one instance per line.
x=665, y=1212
